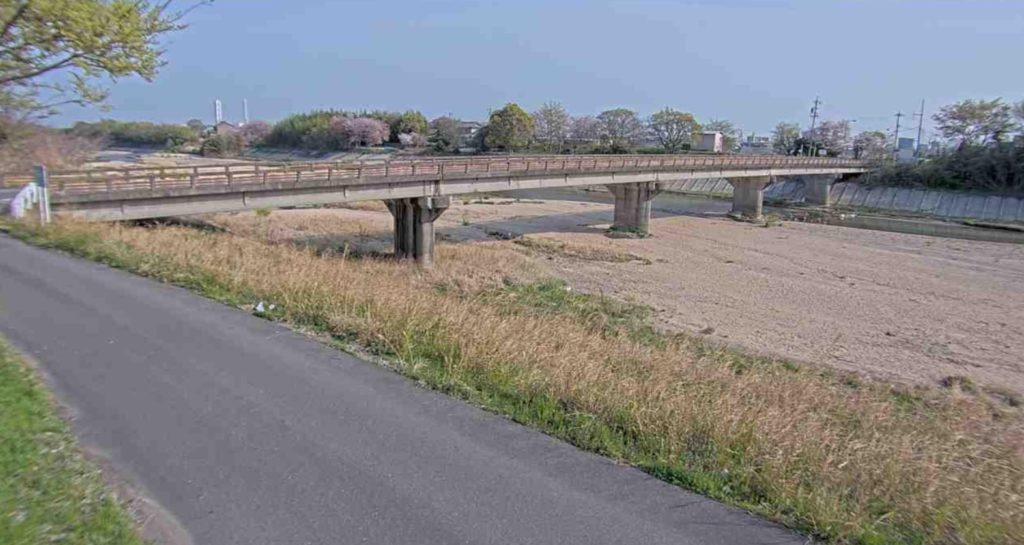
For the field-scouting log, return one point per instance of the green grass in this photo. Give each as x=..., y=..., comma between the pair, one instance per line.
x=556, y=297
x=49, y=493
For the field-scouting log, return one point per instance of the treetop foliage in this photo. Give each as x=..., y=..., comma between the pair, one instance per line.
x=673, y=129
x=57, y=52
x=971, y=122
x=510, y=128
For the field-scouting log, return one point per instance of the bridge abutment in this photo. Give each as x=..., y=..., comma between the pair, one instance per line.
x=748, y=197
x=414, y=226
x=818, y=189
x=633, y=206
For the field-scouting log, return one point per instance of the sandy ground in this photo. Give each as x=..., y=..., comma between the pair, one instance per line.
x=898, y=307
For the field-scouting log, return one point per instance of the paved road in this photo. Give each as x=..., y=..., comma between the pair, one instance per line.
x=249, y=433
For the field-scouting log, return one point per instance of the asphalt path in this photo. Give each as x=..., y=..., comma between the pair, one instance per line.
x=246, y=432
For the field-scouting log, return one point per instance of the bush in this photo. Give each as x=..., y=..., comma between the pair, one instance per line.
x=350, y=132
x=255, y=133
x=136, y=133
x=306, y=131
x=995, y=167
x=313, y=130
x=222, y=145
x=24, y=145
x=412, y=140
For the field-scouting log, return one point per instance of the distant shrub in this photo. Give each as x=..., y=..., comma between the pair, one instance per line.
x=314, y=131
x=360, y=131
x=993, y=167
x=24, y=145
x=412, y=140
x=222, y=145
x=398, y=123
x=306, y=131
x=255, y=133
x=136, y=133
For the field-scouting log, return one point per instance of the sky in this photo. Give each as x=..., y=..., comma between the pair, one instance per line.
x=754, y=62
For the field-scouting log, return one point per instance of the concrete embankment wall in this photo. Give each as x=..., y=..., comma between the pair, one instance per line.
x=923, y=202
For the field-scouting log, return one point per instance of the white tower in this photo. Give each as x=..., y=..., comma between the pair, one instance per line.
x=218, y=112
x=245, y=111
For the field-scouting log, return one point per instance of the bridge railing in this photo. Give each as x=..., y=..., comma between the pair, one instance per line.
x=277, y=174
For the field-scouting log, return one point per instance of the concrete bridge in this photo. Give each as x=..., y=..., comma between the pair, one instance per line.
x=417, y=191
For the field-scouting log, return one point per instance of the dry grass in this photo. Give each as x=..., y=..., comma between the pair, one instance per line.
x=24, y=145
x=849, y=461
x=578, y=251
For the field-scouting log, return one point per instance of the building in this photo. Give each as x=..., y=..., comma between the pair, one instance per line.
x=756, y=145
x=711, y=141
x=468, y=131
x=905, y=150
x=223, y=127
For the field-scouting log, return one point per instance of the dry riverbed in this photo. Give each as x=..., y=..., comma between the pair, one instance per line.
x=898, y=307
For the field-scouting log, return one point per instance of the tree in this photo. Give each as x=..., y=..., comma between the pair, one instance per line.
x=552, y=126
x=832, y=136
x=56, y=52
x=509, y=128
x=196, y=125
x=584, y=130
x=1018, y=113
x=222, y=145
x=784, y=138
x=971, y=122
x=871, y=146
x=255, y=133
x=728, y=130
x=408, y=122
x=412, y=140
x=621, y=129
x=351, y=132
x=444, y=134
x=673, y=129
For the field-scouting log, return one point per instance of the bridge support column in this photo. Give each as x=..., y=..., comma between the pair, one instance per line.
x=633, y=206
x=748, y=197
x=818, y=189
x=414, y=226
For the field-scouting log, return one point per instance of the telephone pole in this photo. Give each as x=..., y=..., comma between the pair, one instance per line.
x=920, y=127
x=896, y=137
x=814, y=120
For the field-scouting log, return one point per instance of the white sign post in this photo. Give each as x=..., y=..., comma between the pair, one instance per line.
x=44, y=195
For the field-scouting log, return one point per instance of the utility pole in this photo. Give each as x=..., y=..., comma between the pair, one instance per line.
x=896, y=137
x=920, y=127
x=814, y=120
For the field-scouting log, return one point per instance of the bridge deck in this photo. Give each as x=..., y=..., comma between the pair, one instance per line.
x=217, y=178
x=133, y=193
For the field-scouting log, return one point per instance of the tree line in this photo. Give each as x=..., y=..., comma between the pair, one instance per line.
x=510, y=128
x=981, y=147
x=964, y=124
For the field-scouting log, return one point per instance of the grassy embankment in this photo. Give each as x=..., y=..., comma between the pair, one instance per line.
x=846, y=460
x=48, y=492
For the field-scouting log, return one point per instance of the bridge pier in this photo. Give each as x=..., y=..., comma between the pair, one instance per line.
x=633, y=206
x=748, y=197
x=414, y=226
x=818, y=189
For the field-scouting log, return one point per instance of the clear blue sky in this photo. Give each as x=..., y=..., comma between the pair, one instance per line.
x=755, y=62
